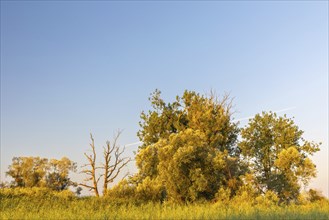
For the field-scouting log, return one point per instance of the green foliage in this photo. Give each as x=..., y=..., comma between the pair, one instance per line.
x=223, y=196
x=189, y=155
x=34, y=192
x=41, y=172
x=189, y=147
x=58, y=205
x=278, y=156
x=150, y=190
x=268, y=200
x=122, y=190
x=28, y=171
x=57, y=178
x=314, y=195
x=189, y=150
x=190, y=169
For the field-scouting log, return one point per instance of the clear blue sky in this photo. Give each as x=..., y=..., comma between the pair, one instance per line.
x=71, y=68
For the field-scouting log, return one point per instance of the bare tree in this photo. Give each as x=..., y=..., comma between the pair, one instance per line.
x=114, y=163
x=112, y=168
x=91, y=173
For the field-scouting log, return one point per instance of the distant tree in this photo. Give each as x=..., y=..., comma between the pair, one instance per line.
x=41, y=172
x=58, y=174
x=189, y=147
x=277, y=154
x=113, y=164
x=28, y=171
x=78, y=191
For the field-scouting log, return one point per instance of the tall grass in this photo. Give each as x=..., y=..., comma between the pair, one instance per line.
x=60, y=206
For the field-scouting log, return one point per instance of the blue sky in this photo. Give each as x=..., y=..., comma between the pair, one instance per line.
x=71, y=68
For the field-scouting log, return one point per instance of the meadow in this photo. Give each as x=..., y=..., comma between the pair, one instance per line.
x=44, y=204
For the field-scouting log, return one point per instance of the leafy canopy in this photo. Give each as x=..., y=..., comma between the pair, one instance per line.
x=278, y=156
x=41, y=172
x=189, y=146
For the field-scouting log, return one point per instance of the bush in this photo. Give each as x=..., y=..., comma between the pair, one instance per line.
x=267, y=200
x=34, y=192
x=315, y=195
x=124, y=191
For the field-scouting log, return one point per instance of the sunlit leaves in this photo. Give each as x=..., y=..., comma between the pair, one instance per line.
x=41, y=172
x=277, y=154
x=190, y=145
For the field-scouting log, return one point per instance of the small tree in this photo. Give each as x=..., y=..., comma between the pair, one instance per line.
x=78, y=191
x=112, y=166
x=58, y=175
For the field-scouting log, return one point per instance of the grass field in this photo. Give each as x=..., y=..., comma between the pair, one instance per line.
x=63, y=206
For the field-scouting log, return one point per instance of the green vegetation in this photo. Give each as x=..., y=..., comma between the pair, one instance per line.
x=36, y=203
x=191, y=165
x=277, y=155
x=191, y=152
x=41, y=172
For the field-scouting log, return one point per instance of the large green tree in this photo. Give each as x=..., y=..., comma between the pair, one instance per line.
x=277, y=154
x=189, y=146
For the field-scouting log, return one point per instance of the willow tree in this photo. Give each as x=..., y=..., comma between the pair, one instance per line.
x=189, y=146
x=278, y=155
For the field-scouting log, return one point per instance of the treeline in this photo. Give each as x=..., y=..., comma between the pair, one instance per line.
x=193, y=150
x=41, y=172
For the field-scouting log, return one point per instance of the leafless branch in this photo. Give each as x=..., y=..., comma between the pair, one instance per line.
x=114, y=162
x=92, y=171
x=112, y=166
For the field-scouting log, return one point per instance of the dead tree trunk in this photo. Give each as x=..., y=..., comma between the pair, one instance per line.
x=114, y=162
x=91, y=173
